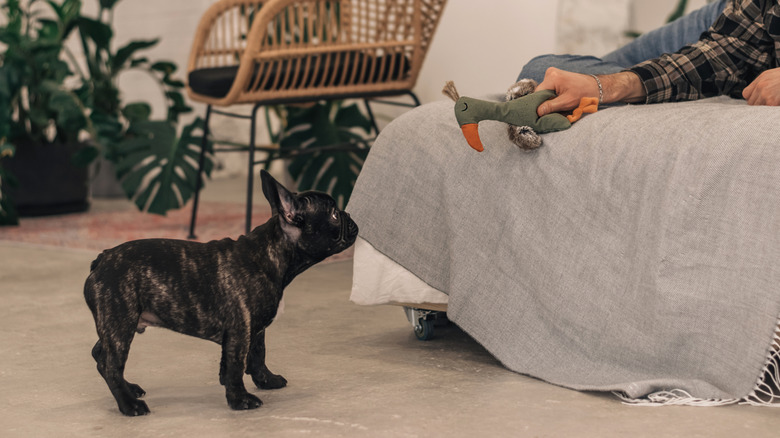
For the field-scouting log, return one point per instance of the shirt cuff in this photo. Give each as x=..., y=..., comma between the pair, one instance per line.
x=655, y=79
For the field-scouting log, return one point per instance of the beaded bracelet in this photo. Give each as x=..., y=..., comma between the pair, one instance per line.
x=601, y=90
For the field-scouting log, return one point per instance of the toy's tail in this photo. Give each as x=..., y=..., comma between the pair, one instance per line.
x=468, y=126
x=450, y=91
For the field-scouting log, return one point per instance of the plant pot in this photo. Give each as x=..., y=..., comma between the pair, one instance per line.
x=104, y=183
x=49, y=183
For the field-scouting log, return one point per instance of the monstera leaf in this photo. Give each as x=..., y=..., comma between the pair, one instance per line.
x=325, y=147
x=158, y=171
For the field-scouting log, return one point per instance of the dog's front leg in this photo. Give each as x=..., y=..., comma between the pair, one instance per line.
x=235, y=348
x=261, y=375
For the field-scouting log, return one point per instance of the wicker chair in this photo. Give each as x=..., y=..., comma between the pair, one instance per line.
x=295, y=51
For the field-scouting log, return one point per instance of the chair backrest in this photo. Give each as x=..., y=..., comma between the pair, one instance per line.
x=298, y=50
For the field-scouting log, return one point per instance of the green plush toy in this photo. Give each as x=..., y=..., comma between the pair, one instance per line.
x=519, y=111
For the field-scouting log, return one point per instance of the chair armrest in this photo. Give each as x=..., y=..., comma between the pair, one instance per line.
x=221, y=35
x=309, y=48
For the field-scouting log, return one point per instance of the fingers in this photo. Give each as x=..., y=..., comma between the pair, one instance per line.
x=748, y=92
x=569, y=87
x=765, y=89
x=553, y=105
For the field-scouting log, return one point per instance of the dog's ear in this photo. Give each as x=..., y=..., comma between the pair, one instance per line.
x=281, y=200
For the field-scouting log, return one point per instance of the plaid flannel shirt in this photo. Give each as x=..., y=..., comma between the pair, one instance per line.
x=743, y=42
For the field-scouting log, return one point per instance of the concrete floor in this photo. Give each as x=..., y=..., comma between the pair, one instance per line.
x=352, y=371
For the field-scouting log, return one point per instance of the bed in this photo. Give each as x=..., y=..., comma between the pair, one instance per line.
x=636, y=252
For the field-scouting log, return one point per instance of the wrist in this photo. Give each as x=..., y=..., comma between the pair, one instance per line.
x=625, y=86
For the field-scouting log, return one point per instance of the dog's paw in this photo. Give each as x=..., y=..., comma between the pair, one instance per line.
x=136, y=390
x=269, y=381
x=520, y=89
x=244, y=401
x=134, y=408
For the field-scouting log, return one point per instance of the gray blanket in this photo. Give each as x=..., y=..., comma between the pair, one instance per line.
x=635, y=252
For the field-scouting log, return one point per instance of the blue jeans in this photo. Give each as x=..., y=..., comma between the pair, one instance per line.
x=667, y=39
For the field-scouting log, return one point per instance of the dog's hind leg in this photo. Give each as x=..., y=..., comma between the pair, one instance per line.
x=235, y=348
x=111, y=355
x=261, y=375
x=99, y=355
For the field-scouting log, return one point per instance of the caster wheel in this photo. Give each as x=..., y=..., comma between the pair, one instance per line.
x=423, y=329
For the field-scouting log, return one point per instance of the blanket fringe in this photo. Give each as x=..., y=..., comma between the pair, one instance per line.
x=767, y=390
x=674, y=397
x=765, y=393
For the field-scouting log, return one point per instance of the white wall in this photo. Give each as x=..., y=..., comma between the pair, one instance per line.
x=648, y=14
x=481, y=45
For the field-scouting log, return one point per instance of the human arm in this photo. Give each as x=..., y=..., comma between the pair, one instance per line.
x=572, y=87
x=736, y=55
x=729, y=56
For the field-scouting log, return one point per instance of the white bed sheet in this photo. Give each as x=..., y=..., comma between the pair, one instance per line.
x=377, y=279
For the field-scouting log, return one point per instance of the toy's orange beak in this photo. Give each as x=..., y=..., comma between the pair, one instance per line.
x=472, y=136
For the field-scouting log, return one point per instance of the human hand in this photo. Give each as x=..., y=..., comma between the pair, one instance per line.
x=570, y=89
x=765, y=89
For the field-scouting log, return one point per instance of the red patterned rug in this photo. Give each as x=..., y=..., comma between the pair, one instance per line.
x=98, y=230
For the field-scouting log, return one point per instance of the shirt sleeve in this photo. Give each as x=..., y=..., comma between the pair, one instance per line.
x=724, y=61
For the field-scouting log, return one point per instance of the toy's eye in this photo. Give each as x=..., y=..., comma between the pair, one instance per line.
x=465, y=106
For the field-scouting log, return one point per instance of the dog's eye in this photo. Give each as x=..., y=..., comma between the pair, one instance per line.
x=335, y=215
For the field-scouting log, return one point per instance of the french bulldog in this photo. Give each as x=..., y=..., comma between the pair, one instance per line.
x=226, y=291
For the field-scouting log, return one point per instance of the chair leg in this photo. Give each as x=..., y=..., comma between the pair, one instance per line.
x=198, y=182
x=414, y=97
x=371, y=116
x=251, y=175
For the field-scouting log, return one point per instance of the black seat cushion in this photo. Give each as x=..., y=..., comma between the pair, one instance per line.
x=216, y=81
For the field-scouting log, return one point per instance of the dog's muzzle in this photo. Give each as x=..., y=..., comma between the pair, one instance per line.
x=349, y=229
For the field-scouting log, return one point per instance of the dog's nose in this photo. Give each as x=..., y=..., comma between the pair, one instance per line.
x=351, y=226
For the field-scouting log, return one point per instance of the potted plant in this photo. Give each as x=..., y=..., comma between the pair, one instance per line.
x=324, y=143
x=50, y=101
x=40, y=120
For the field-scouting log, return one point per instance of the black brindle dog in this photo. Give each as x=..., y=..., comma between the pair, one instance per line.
x=226, y=291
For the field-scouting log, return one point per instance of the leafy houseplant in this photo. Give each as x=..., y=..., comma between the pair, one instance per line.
x=322, y=141
x=324, y=145
x=46, y=100
x=39, y=117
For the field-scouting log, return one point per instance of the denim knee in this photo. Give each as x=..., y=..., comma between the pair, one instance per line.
x=537, y=67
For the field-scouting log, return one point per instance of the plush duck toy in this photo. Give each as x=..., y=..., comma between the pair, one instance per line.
x=519, y=111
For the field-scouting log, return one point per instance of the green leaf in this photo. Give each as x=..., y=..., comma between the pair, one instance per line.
x=138, y=61
x=108, y=4
x=99, y=32
x=69, y=115
x=325, y=124
x=137, y=112
x=157, y=169
x=165, y=67
x=106, y=124
x=85, y=155
x=678, y=12
x=67, y=13
x=49, y=31
x=127, y=51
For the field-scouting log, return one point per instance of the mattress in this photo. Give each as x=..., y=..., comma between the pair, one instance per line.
x=377, y=279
